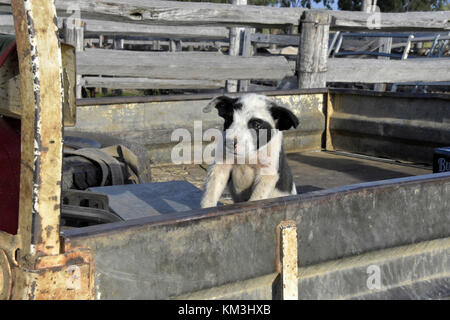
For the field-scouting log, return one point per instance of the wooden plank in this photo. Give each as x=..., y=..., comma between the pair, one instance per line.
x=247, y=51
x=405, y=21
x=70, y=81
x=145, y=83
x=193, y=13
x=74, y=35
x=177, y=65
x=388, y=71
x=93, y=27
x=281, y=39
x=235, y=47
x=212, y=14
x=6, y=24
x=184, y=44
x=114, y=28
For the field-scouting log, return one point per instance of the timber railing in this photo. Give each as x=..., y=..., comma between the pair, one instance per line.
x=183, y=24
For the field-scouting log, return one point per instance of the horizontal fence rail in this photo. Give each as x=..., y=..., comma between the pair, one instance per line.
x=172, y=30
x=387, y=71
x=180, y=65
x=192, y=13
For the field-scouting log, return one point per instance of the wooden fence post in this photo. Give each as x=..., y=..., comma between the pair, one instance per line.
x=156, y=45
x=118, y=44
x=313, y=50
x=74, y=35
x=385, y=47
x=247, y=51
x=235, y=49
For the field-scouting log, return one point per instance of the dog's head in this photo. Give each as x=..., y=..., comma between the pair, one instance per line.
x=251, y=121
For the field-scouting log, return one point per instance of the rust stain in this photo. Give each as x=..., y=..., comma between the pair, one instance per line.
x=60, y=277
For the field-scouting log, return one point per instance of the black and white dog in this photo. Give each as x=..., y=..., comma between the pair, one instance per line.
x=252, y=138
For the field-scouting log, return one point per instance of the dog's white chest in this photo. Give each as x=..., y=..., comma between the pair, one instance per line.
x=243, y=177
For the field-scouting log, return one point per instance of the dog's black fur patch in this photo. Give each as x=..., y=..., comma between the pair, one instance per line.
x=284, y=118
x=226, y=107
x=262, y=127
x=285, y=179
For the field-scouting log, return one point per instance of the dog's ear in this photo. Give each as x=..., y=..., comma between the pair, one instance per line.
x=225, y=105
x=283, y=117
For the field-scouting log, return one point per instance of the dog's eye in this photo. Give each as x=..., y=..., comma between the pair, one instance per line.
x=256, y=124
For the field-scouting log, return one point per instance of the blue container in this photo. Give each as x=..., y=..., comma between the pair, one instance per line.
x=441, y=160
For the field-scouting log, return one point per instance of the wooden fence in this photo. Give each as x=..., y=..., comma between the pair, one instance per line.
x=172, y=23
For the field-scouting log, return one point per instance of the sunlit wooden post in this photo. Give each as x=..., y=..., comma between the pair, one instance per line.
x=313, y=50
x=236, y=37
x=40, y=68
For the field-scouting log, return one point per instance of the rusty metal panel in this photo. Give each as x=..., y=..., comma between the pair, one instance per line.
x=152, y=122
x=288, y=256
x=396, y=126
x=168, y=256
x=417, y=271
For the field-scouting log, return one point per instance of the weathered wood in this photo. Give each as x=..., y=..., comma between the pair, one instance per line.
x=145, y=83
x=407, y=47
x=368, y=5
x=179, y=65
x=118, y=43
x=6, y=24
x=388, y=71
x=192, y=13
x=10, y=98
x=70, y=82
x=184, y=44
x=93, y=27
x=313, y=53
x=10, y=87
x=235, y=47
x=282, y=39
x=385, y=47
x=156, y=45
x=406, y=21
x=41, y=127
x=175, y=45
x=74, y=35
x=247, y=51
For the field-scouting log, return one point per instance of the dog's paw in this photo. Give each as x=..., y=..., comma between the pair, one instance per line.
x=207, y=204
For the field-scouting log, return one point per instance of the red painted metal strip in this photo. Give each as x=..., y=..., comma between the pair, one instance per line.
x=9, y=174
